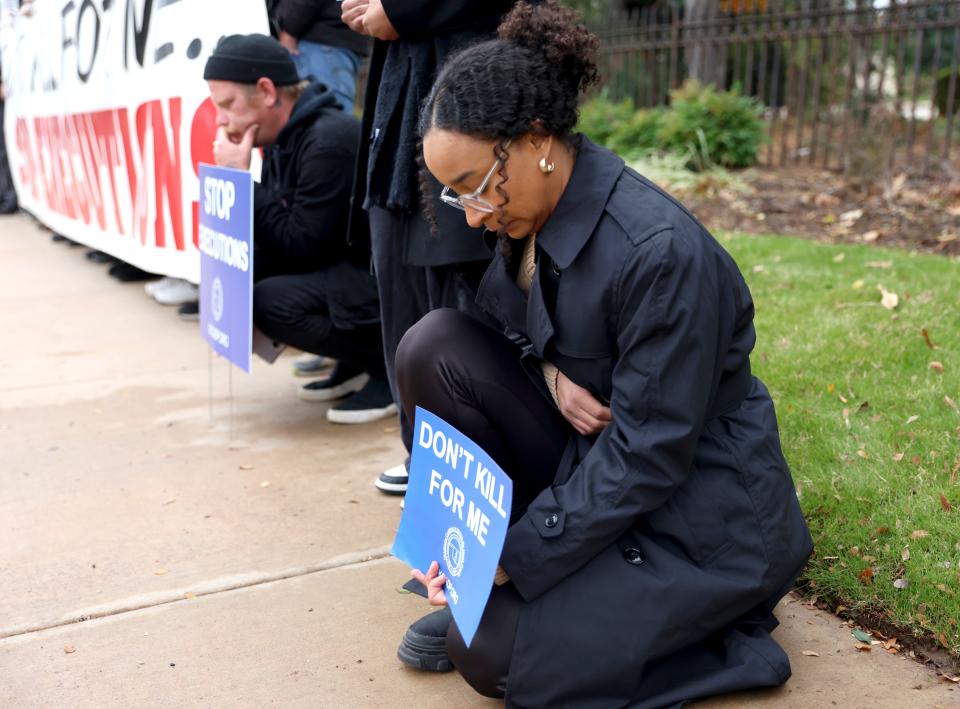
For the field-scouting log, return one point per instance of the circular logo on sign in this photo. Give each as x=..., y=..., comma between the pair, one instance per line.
x=453, y=550
x=216, y=299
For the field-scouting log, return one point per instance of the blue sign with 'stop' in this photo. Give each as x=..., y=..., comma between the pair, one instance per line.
x=226, y=262
x=456, y=512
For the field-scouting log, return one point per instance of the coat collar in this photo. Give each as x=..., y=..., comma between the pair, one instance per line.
x=499, y=294
x=568, y=229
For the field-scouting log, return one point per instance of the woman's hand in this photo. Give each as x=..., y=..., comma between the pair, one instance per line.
x=351, y=13
x=578, y=406
x=434, y=582
x=377, y=24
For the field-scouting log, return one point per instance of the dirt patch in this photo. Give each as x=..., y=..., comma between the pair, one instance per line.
x=914, y=209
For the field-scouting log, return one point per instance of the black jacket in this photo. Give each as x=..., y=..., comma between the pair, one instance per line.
x=651, y=565
x=318, y=21
x=401, y=75
x=301, y=205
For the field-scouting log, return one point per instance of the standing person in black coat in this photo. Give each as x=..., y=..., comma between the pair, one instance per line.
x=416, y=271
x=655, y=524
x=312, y=290
x=321, y=45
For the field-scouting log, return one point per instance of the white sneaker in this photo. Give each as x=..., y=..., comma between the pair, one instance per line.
x=153, y=287
x=177, y=292
x=393, y=481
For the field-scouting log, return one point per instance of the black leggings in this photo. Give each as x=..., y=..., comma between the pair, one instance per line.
x=470, y=375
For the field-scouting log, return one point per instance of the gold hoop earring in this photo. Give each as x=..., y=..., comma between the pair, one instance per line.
x=547, y=167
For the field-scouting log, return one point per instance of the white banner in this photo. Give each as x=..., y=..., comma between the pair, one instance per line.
x=108, y=117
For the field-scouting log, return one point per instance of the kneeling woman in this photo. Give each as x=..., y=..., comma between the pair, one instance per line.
x=655, y=524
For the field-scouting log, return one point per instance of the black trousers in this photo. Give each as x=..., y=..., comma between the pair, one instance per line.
x=300, y=310
x=8, y=193
x=407, y=292
x=470, y=375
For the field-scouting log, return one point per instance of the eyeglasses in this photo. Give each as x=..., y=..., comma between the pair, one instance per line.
x=473, y=200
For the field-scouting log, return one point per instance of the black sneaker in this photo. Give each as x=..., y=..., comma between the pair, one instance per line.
x=393, y=481
x=346, y=378
x=424, y=645
x=189, y=311
x=128, y=273
x=100, y=257
x=371, y=403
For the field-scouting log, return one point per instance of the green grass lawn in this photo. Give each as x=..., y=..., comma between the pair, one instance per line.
x=869, y=419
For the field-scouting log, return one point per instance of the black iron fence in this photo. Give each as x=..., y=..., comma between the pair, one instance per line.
x=856, y=85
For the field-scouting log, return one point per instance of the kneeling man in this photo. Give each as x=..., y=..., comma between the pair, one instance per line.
x=313, y=291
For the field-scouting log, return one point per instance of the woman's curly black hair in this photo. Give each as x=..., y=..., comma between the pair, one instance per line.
x=527, y=80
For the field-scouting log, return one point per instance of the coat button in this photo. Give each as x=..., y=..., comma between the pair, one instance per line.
x=551, y=521
x=633, y=556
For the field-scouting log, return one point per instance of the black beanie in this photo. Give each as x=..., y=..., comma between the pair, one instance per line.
x=245, y=58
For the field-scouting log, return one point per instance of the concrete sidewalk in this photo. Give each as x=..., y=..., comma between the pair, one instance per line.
x=230, y=564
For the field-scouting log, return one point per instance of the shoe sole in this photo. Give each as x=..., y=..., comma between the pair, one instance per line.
x=351, y=386
x=363, y=416
x=421, y=660
x=192, y=317
x=174, y=301
x=391, y=488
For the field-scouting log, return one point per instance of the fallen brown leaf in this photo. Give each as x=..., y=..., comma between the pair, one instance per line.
x=863, y=647
x=245, y=466
x=926, y=337
x=950, y=402
x=811, y=653
x=905, y=554
x=839, y=258
x=870, y=236
x=919, y=534
x=936, y=367
x=890, y=643
x=888, y=299
x=897, y=457
x=866, y=576
x=265, y=483
x=911, y=419
x=948, y=591
x=69, y=649
x=160, y=572
x=945, y=503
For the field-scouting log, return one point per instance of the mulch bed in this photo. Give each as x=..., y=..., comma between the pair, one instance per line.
x=917, y=209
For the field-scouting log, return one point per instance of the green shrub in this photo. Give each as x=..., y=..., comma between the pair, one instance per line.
x=720, y=127
x=710, y=127
x=638, y=134
x=600, y=118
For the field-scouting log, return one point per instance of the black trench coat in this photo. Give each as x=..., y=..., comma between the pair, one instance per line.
x=652, y=565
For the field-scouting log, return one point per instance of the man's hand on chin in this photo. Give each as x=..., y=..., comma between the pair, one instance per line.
x=227, y=153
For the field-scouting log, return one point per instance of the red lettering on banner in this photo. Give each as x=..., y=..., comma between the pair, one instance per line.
x=203, y=129
x=28, y=168
x=62, y=164
x=166, y=171
x=108, y=134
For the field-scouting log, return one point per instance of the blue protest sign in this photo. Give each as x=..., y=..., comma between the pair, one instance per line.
x=226, y=262
x=456, y=512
